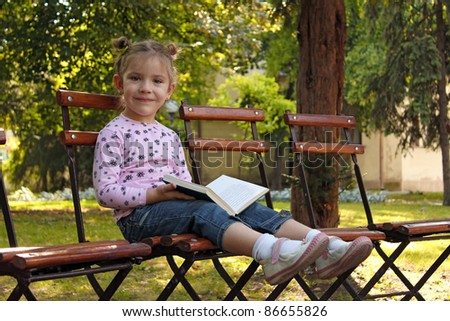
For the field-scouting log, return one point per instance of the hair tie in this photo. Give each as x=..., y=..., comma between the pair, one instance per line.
x=123, y=50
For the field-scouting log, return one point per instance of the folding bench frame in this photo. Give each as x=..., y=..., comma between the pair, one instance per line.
x=188, y=246
x=32, y=264
x=198, y=144
x=347, y=234
x=397, y=232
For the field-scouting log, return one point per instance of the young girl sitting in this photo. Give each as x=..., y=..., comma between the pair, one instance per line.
x=134, y=152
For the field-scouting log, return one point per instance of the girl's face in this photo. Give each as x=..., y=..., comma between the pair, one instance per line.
x=145, y=86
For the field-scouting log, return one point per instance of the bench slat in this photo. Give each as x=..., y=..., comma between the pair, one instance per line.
x=152, y=241
x=88, y=100
x=320, y=120
x=425, y=228
x=390, y=226
x=221, y=113
x=8, y=253
x=79, y=255
x=229, y=145
x=170, y=240
x=349, y=234
x=75, y=137
x=327, y=148
x=199, y=244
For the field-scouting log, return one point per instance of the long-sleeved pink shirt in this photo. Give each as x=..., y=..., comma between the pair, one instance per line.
x=131, y=157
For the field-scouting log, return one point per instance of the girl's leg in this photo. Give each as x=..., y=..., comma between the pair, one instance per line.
x=293, y=230
x=239, y=239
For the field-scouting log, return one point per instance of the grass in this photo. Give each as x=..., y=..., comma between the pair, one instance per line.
x=48, y=223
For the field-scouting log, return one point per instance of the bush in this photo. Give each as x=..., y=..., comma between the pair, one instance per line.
x=25, y=194
x=347, y=196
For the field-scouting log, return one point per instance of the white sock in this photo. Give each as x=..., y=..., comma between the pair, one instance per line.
x=262, y=249
x=335, y=243
x=311, y=234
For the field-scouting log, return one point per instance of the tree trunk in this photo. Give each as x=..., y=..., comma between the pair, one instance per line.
x=443, y=106
x=321, y=38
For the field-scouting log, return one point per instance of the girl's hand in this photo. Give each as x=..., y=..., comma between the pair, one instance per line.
x=166, y=192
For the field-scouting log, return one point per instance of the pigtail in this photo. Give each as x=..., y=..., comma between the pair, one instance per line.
x=120, y=48
x=121, y=45
x=173, y=51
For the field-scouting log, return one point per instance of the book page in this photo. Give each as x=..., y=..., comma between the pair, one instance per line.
x=237, y=193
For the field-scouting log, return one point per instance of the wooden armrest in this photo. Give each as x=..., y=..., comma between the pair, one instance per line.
x=74, y=137
x=327, y=148
x=2, y=137
x=221, y=113
x=88, y=100
x=228, y=145
x=80, y=255
x=349, y=234
x=320, y=120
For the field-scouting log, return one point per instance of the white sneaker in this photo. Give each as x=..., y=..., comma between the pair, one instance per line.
x=335, y=262
x=280, y=268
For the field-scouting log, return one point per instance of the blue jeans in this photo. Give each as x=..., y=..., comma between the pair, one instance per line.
x=201, y=217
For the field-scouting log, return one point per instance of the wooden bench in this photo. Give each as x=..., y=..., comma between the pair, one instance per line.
x=190, y=247
x=400, y=233
x=40, y=263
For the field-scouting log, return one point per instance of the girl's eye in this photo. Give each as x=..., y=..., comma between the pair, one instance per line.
x=158, y=81
x=134, y=78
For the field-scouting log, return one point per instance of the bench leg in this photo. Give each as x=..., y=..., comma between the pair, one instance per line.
x=115, y=284
x=428, y=274
x=179, y=277
x=282, y=286
x=22, y=288
x=238, y=286
x=389, y=263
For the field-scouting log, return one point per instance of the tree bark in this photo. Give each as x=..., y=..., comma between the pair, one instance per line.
x=443, y=106
x=321, y=37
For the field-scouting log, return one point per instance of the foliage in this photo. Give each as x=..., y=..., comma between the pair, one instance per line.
x=25, y=194
x=260, y=91
x=48, y=44
x=397, y=89
x=281, y=59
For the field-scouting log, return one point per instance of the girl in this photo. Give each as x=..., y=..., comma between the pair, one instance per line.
x=134, y=152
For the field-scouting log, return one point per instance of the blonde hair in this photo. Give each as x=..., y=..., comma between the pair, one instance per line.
x=126, y=49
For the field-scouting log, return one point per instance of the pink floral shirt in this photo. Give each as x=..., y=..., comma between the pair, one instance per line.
x=132, y=156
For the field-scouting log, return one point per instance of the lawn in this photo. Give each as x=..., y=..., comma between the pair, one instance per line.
x=48, y=223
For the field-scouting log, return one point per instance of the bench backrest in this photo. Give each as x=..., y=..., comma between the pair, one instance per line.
x=71, y=138
x=198, y=141
x=336, y=123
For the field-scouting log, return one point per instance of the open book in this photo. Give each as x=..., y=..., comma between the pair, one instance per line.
x=232, y=194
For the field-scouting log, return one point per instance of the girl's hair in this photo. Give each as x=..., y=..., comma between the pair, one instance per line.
x=126, y=49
